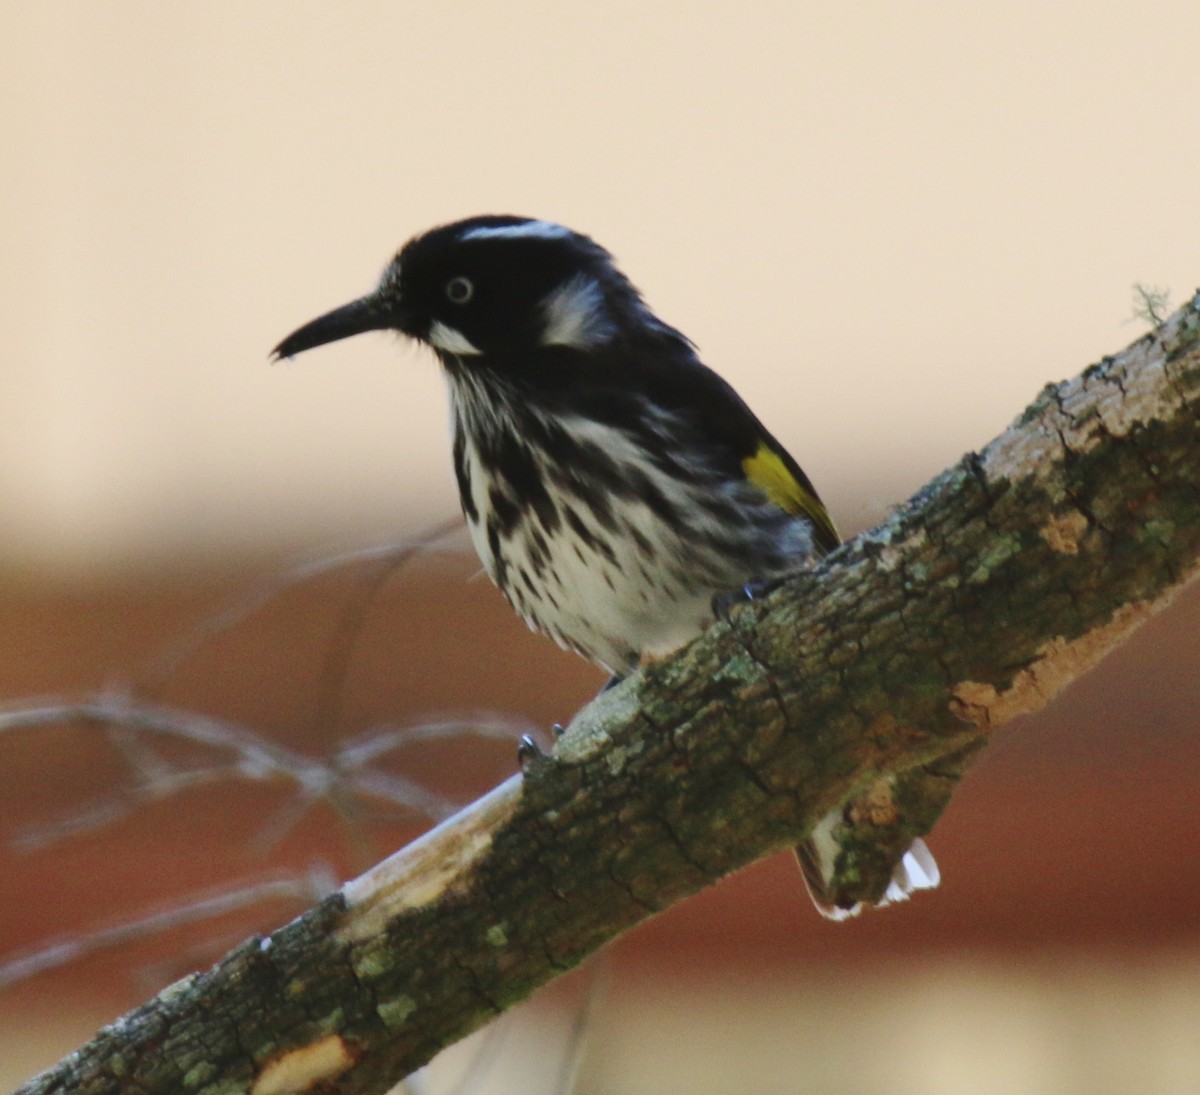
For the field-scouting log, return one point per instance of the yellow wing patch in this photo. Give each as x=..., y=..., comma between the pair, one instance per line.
x=767, y=471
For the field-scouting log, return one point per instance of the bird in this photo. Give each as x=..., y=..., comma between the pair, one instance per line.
x=614, y=486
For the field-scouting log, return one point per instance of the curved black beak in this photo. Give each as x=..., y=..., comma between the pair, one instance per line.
x=369, y=313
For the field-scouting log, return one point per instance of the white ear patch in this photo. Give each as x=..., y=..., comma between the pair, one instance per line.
x=576, y=315
x=452, y=341
x=544, y=230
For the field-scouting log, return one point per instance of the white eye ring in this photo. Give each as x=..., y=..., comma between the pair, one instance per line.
x=459, y=290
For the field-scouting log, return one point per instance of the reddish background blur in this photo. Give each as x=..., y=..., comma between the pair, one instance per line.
x=1068, y=854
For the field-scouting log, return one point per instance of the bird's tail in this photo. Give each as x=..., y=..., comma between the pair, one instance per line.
x=844, y=871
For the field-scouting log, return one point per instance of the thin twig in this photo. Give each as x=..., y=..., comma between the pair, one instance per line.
x=206, y=905
x=151, y=677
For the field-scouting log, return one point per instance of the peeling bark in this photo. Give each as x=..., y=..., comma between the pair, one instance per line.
x=871, y=680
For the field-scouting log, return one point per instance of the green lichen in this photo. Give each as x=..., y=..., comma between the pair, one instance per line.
x=199, y=1074
x=395, y=1013
x=496, y=936
x=369, y=965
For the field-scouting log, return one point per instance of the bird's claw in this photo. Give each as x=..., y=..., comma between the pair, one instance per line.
x=723, y=603
x=530, y=754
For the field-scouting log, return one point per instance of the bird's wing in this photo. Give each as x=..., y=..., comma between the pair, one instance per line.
x=779, y=477
x=762, y=459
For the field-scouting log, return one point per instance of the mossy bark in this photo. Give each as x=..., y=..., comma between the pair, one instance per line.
x=872, y=678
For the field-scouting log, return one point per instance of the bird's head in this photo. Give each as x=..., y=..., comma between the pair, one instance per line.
x=492, y=286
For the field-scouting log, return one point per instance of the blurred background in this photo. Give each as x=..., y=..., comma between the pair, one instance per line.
x=887, y=225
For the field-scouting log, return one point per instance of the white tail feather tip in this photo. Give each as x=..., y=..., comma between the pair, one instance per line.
x=917, y=870
x=920, y=867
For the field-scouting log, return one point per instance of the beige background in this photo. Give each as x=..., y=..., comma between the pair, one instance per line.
x=887, y=224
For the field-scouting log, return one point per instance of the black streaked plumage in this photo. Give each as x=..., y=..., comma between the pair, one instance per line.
x=612, y=483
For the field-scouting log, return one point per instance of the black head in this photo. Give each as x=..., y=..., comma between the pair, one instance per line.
x=493, y=286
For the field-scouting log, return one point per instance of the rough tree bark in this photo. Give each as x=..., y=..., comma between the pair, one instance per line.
x=871, y=678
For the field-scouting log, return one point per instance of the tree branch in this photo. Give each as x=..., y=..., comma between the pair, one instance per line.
x=872, y=678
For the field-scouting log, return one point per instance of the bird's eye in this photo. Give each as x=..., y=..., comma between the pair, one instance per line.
x=459, y=290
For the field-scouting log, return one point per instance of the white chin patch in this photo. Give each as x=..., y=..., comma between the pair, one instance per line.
x=450, y=340
x=544, y=230
x=576, y=316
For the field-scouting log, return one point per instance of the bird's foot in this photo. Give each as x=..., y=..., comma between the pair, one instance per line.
x=724, y=603
x=530, y=755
